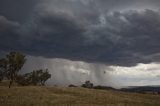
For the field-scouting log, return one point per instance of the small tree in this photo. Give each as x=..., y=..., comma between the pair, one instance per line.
x=34, y=77
x=40, y=76
x=15, y=62
x=1, y=75
x=87, y=84
x=22, y=80
x=44, y=76
x=3, y=68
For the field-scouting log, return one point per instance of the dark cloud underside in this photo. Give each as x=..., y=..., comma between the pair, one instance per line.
x=82, y=30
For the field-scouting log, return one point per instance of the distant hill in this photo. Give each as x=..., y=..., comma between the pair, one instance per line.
x=104, y=87
x=138, y=89
x=143, y=89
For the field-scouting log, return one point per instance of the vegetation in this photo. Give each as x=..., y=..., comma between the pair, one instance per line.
x=76, y=96
x=3, y=68
x=10, y=66
x=58, y=96
x=37, y=77
x=87, y=84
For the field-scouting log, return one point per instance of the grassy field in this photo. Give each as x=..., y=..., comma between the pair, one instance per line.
x=59, y=96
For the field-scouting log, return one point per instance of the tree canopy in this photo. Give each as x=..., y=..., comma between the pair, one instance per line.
x=36, y=77
x=11, y=65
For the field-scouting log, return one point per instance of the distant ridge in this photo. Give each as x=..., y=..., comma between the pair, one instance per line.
x=143, y=89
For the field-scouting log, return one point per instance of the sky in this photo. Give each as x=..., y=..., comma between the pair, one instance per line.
x=109, y=42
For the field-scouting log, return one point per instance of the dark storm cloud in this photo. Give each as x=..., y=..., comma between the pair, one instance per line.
x=85, y=30
x=17, y=10
x=9, y=37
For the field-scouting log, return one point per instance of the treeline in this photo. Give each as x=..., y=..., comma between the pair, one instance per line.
x=12, y=63
x=37, y=77
x=87, y=84
x=90, y=85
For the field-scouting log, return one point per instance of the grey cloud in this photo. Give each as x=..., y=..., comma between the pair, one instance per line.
x=17, y=10
x=8, y=34
x=6, y=24
x=87, y=32
x=128, y=36
x=65, y=72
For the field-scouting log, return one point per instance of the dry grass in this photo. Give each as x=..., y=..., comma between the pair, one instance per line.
x=58, y=96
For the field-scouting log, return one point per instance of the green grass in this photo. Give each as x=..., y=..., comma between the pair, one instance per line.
x=59, y=96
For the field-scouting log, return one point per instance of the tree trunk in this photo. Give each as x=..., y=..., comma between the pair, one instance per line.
x=11, y=80
x=10, y=83
x=43, y=84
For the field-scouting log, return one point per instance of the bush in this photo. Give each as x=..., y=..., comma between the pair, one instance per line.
x=71, y=85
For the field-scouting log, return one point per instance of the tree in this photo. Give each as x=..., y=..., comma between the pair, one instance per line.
x=1, y=75
x=23, y=80
x=15, y=62
x=44, y=76
x=87, y=84
x=36, y=77
x=40, y=76
x=3, y=68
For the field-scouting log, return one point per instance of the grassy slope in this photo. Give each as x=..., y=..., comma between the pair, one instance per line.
x=56, y=96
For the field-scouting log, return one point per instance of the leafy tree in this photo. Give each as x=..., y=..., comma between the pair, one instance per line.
x=37, y=77
x=87, y=84
x=34, y=77
x=40, y=76
x=3, y=68
x=23, y=80
x=44, y=76
x=15, y=62
x=1, y=75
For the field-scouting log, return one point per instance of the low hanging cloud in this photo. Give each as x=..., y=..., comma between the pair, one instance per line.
x=65, y=72
x=86, y=31
x=140, y=75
